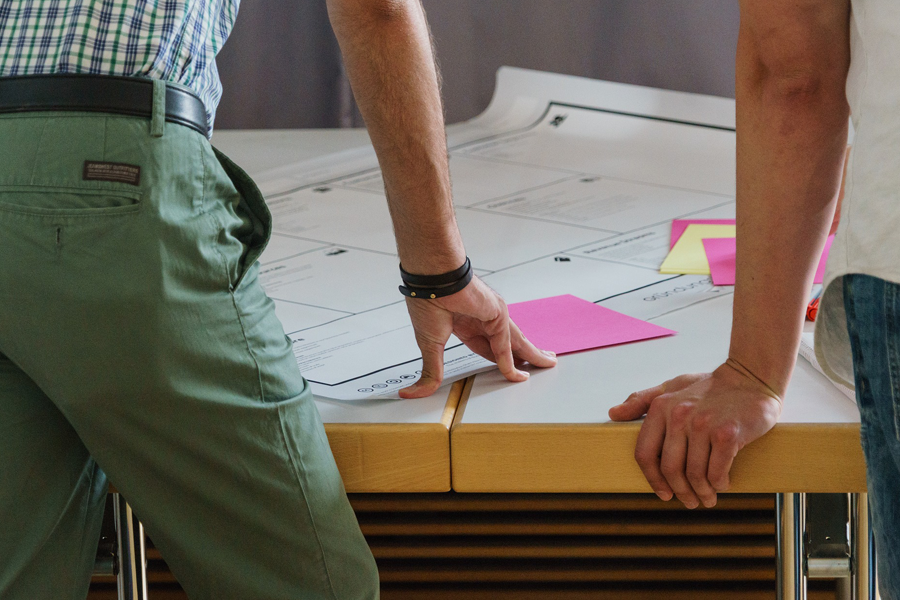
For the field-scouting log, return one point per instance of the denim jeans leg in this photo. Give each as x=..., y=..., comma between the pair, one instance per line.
x=873, y=321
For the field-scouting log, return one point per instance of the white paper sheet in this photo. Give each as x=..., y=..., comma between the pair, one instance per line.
x=295, y=317
x=589, y=279
x=639, y=149
x=660, y=299
x=604, y=203
x=335, y=215
x=281, y=247
x=495, y=242
x=565, y=194
x=475, y=179
x=337, y=278
x=648, y=246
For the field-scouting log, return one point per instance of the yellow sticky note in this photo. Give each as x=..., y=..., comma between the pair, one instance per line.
x=688, y=257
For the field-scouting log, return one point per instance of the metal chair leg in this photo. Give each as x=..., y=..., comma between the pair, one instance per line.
x=791, y=551
x=105, y=563
x=790, y=574
x=132, y=555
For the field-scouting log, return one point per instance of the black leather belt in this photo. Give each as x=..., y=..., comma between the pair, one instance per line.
x=132, y=96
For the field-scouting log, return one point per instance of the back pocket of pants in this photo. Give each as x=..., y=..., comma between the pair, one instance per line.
x=73, y=202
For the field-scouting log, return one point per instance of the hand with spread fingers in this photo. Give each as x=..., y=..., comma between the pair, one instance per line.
x=477, y=315
x=694, y=427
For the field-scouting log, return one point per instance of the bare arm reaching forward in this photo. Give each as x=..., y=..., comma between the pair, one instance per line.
x=388, y=54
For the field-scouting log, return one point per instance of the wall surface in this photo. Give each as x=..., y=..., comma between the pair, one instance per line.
x=281, y=68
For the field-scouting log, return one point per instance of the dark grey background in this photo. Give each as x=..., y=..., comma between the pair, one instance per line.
x=282, y=69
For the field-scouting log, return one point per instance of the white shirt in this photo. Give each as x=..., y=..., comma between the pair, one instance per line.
x=868, y=236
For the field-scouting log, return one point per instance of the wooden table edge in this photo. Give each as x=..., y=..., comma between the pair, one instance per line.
x=395, y=457
x=598, y=458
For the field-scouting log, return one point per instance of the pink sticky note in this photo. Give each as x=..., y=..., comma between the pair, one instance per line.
x=679, y=225
x=820, y=271
x=568, y=324
x=720, y=254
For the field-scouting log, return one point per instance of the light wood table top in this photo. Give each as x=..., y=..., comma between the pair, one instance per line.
x=552, y=433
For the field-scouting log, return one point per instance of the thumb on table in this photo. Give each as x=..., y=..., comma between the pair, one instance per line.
x=636, y=405
x=432, y=371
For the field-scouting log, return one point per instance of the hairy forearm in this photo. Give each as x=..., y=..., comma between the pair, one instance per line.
x=791, y=136
x=388, y=55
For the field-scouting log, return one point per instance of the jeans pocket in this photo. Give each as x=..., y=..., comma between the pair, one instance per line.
x=252, y=210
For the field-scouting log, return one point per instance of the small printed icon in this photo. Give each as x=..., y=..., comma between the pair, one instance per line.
x=407, y=377
x=558, y=120
x=589, y=179
x=322, y=189
x=379, y=386
x=394, y=381
x=335, y=252
x=365, y=390
x=562, y=259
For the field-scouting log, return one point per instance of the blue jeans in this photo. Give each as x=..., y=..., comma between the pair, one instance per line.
x=873, y=320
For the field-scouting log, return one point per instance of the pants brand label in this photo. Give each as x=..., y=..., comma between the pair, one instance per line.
x=108, y=171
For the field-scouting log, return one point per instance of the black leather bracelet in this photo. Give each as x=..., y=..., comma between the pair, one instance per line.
x=435, y=280
x=414, y=287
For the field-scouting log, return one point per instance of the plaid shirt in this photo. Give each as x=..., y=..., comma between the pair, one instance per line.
x=172, y=40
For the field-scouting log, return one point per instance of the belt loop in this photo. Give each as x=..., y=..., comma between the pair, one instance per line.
x=158, y=120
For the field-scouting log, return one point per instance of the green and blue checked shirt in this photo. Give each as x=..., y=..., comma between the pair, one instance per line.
x=172, y=40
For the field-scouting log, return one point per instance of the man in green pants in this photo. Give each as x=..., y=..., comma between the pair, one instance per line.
x=134, y=335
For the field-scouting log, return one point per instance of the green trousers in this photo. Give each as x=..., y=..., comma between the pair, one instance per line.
x=137, y=343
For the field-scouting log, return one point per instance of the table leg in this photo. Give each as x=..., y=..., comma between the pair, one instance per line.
x=132, y=555
x=864, y=579
x=790, y=576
